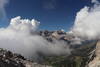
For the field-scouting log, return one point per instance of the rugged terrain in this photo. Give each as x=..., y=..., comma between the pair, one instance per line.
x=86, y=54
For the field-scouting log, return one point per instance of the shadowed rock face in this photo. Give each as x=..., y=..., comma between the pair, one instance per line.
x=83, y=55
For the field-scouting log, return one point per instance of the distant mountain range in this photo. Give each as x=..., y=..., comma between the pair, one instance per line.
x=82, y=55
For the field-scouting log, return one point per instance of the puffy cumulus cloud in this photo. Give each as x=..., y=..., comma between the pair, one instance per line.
x=87, y=22
x=18, y=38
x=24, y=25
x=2, y=8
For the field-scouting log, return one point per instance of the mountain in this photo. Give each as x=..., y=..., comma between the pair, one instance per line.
x=86, y=54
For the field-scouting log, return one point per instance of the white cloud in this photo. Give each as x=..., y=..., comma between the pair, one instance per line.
x=18, y=38
x=24, y=25
x=2, y=8
x=3, y=3
x=87, y=22
x=95, y=1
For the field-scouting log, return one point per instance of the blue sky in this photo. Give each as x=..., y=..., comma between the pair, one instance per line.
x=52, y=14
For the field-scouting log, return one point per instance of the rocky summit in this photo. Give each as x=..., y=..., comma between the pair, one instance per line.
x=86, y=54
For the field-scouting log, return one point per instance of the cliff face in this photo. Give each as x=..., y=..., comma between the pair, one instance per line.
x=85, y=55
x=96, y=61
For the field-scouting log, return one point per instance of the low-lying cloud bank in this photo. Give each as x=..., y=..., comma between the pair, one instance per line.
x=20, y=37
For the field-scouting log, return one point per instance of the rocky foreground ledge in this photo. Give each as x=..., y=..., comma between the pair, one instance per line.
x=9, y=59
